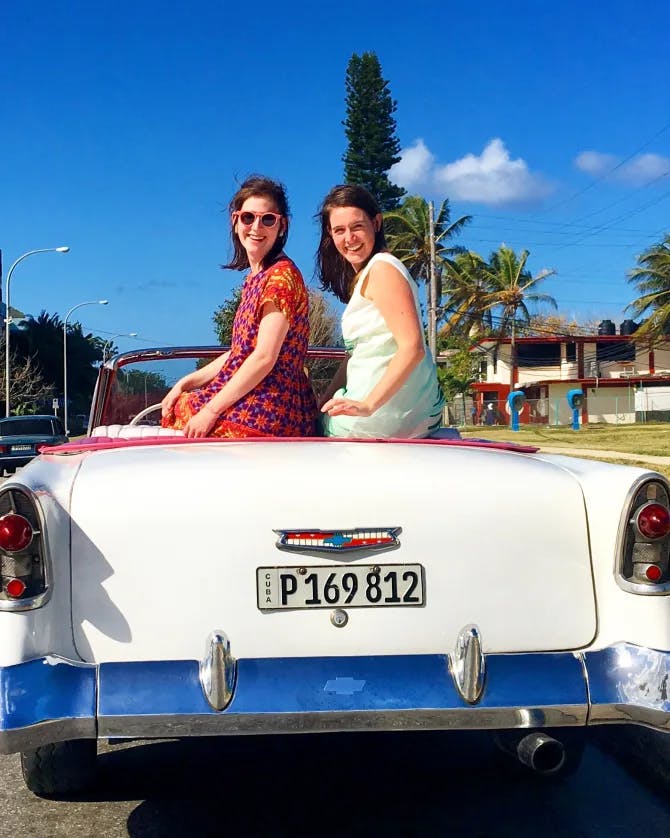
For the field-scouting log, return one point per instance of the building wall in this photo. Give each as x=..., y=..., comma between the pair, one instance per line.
x=612, y=405
x=662, y=360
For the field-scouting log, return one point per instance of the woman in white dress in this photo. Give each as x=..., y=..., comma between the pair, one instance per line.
x=387, y=386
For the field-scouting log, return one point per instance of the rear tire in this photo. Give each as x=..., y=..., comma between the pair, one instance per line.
x=60, y=768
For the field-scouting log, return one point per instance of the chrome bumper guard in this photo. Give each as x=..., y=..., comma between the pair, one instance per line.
x=52, y=699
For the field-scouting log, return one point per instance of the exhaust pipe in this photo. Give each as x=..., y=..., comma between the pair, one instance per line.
x=541, y=752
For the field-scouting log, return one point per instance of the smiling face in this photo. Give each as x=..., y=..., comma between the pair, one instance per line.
x=353, y=233
x=256, y=238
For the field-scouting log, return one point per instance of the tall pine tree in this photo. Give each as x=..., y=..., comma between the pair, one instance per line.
x=370, y=130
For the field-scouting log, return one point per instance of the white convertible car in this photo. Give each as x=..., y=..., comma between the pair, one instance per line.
x=159, y=587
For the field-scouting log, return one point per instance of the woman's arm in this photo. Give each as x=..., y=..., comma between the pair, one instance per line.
x=272, y=330
x=390, y=292
x=195, y=379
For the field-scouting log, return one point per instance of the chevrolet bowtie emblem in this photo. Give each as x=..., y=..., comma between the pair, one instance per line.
x=337, y=541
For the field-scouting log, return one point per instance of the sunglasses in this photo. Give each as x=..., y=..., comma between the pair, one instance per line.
x=268, y=219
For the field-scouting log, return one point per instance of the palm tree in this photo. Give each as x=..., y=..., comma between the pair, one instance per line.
x=652, y=278
x=465, y=287
x=511, y=287
x=408, y=236
x=42, y=339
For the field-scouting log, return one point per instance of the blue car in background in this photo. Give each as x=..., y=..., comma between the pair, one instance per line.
x=21, y=437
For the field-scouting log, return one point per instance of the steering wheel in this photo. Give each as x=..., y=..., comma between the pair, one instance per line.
x=137, y=418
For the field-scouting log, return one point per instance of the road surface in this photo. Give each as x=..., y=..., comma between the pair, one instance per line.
x=403, y=784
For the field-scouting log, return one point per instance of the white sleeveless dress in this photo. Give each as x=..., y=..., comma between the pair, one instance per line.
x=416, y=409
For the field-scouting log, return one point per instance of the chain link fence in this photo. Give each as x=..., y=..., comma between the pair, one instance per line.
x=613, y=410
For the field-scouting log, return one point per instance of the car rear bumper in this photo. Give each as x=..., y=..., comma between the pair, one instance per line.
x=10, y=461
x=51, y=699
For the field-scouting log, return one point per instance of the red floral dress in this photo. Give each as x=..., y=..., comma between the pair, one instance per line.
x=283, y=403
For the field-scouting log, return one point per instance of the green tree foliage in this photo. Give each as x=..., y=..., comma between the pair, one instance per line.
x=224, y=316
x=465, y=286
x=408, y=236
x=652, y=278
x=137, y=382
x=41, y=340
x=511, y=287
x=460, y=369
x=28, y=390
x=370, y=127
x=491, y=297
x=324, y=328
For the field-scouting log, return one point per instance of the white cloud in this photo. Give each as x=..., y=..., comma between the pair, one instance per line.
x=414, y=167
x=637, y=171
x=595, y=162
x=491, y=178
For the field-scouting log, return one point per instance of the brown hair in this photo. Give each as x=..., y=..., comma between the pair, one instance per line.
x=332, y=269
x=258, y=186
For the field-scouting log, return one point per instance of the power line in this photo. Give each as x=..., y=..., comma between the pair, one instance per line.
x=607, y=173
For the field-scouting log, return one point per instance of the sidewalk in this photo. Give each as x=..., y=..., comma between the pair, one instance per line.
x=596, y=452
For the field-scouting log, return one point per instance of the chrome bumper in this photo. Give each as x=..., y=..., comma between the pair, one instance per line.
x=51, y=699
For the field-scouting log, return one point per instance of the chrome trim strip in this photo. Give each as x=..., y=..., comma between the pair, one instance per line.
x=467, y=664
x=470, y=718
x=45, y=733
x=629, y=684
x=157, y=699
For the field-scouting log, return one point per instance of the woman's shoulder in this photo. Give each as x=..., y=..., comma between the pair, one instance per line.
x=283, y=281
x=384, y=260
x=284, y=268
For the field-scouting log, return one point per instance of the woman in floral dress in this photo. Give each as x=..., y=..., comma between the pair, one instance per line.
x=259, y=387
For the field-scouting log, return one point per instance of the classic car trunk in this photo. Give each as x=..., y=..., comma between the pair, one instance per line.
x=167, y=540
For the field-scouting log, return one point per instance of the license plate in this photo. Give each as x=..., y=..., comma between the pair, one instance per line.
x=357, y=586
x=21, y=448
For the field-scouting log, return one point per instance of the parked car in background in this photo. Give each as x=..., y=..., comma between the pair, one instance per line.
x=154, y=586
x=22, y=436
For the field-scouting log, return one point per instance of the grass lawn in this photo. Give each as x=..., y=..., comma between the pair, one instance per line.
x=653, y=440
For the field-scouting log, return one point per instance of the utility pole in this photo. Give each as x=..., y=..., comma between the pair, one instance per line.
x=432, y=290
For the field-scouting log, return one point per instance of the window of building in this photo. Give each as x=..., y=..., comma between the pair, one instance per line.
x=616, y=350
x=538, y=354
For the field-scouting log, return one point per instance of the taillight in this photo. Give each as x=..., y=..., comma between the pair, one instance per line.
x=15, y=588
x=15, y=532
x=644, y=542
x=653, y=520
x=24, y=571
x=653, y=573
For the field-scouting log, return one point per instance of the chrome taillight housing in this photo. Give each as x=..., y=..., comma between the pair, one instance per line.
x=644, y=540
x=24, y=572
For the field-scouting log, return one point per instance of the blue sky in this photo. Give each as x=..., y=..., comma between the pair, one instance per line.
x=126, y=126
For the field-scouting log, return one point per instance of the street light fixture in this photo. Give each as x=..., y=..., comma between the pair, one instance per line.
x=74, y=308
x=107, y=344
x=8, y=318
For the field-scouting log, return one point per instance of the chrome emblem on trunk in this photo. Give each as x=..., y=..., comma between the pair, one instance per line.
x=338, y=541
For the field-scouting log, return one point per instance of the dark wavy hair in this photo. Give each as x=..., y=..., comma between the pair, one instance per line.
x=332, y=270
x=257, y=186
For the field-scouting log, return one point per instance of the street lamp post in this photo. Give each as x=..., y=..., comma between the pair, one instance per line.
x=107, y=344
x=8, y=318
x=74, y=308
